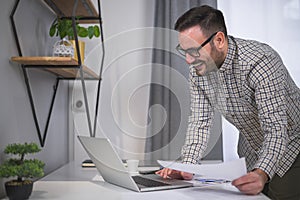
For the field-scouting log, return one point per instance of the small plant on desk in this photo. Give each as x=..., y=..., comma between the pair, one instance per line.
x=22, y=169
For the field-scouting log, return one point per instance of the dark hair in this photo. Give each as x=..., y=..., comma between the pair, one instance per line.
x=209, y=19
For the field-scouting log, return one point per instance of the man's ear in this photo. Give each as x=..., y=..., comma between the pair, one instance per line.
x=220, y=40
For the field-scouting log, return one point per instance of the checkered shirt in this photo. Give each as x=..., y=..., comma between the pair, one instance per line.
x=254, y=91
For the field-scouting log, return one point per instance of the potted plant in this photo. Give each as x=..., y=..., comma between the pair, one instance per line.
x=23, y=170
x=63, y=28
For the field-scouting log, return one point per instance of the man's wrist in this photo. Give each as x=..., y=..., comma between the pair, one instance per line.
x=262, y=174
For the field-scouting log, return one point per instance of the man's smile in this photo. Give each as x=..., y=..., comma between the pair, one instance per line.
x=199, y=66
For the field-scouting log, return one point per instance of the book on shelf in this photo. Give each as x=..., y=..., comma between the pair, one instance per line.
x=87, y=163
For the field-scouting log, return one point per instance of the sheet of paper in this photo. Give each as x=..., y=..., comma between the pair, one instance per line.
x=226, y=170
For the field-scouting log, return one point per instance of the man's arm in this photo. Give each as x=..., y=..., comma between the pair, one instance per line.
x=270, y=96
x=200, y=120
x=269, y=80
x=197, y=133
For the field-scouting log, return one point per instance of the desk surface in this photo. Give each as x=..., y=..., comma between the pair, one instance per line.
x=73, y=182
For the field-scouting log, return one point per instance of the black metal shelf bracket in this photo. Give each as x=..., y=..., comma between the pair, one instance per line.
x=100, y=70
x=42, y=137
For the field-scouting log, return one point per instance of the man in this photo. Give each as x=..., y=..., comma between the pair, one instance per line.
x=248, y=83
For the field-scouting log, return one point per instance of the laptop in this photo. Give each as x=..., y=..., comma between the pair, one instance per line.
x=112, y=169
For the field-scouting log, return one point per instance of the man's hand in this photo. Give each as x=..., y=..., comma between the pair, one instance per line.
x=174, y=174
x=251, y=183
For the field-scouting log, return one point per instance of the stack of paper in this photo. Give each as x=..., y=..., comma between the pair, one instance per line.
x=226, y=170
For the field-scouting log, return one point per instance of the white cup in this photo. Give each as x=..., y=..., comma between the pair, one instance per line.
x=132, y=165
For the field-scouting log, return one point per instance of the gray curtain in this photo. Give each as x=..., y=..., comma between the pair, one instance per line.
x=169, y=92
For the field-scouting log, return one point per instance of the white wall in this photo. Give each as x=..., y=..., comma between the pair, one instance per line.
x=276, y=23
x=124, y=99
x=33, y=19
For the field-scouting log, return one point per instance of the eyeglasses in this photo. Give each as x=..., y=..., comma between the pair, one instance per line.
x=194, y=51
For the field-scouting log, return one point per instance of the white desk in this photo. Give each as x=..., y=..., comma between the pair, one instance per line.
x=73, y=182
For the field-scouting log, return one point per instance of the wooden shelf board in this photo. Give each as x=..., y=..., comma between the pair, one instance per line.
x=65, y=72
x=44, y=60
x=64, y=8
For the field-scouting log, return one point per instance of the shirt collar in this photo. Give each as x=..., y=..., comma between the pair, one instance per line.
x=227, y=64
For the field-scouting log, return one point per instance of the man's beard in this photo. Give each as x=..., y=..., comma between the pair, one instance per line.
x=214, y=62
x=203, y=68
x=200, y=67
x=217, y=56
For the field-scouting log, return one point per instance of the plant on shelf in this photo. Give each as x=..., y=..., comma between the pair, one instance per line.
x=23, y=170
x=63, y=28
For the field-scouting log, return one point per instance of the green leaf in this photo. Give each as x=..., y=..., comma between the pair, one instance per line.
x=52, y=31
x=82, y=32
x=91, y=32
x=53, y=27
x=96, y=31
x=70, y=33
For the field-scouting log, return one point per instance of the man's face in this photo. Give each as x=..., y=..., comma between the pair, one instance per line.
x=192, y=38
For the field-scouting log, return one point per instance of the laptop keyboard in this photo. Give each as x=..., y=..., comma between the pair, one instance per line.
x=148, y=182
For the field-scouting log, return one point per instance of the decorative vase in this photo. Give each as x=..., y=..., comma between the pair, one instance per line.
x=63, y=48
x=18, y=190
x=67, y=48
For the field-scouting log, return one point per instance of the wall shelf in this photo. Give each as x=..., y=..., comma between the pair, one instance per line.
x=63, y=67
x=85, y=9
